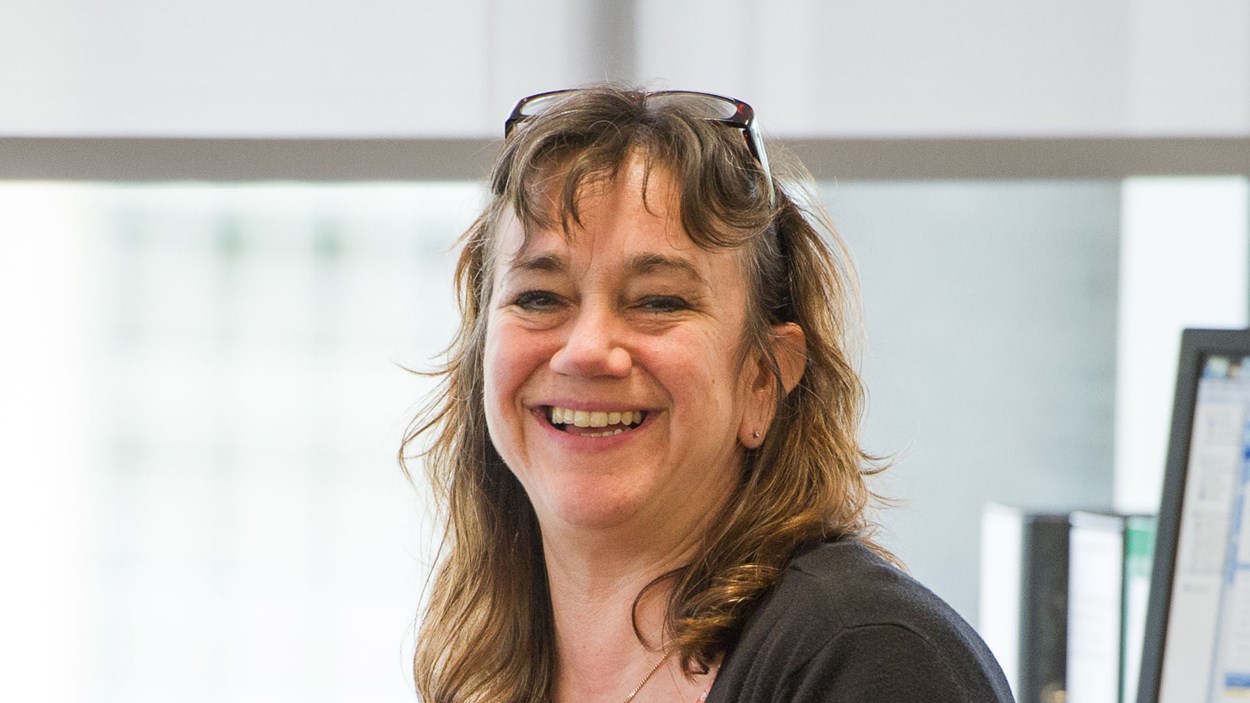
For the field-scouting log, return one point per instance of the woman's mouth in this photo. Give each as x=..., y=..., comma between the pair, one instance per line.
x=594, y=423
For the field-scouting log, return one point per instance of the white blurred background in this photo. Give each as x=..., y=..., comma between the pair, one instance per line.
x=203, y=398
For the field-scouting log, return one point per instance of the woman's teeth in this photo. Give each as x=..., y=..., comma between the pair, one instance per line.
x=597, y=418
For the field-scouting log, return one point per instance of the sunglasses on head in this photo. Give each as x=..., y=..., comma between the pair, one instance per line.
x=717, y=108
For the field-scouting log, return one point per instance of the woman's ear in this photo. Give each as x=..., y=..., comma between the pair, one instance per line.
x=788, y=344
x=790, y=349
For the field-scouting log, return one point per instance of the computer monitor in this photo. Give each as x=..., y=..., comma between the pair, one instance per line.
x=1197, y=640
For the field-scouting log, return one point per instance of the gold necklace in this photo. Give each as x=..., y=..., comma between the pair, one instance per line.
x=647, y=678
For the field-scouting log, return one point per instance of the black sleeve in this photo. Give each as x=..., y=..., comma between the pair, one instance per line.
x=892, y=664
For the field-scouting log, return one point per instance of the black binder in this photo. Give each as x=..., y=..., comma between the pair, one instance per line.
x=1037, y=625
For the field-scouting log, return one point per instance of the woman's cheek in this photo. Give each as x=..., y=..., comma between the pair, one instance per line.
x=494, y=373
x=505, y=364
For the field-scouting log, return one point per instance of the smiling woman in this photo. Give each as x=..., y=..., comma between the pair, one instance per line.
x=646, y=442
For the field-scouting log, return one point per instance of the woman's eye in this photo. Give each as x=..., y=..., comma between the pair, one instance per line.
x=663, y=303
x=536, y=301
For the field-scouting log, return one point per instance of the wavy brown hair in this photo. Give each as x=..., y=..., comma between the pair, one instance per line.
x=488, y=632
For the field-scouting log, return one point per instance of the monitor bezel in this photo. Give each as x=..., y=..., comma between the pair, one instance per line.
x=1196, y=346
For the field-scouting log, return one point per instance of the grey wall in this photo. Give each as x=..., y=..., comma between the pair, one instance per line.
x=429, y=68
x=991, y=320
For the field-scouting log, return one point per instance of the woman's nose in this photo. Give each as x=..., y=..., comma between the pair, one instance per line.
x=593, y=346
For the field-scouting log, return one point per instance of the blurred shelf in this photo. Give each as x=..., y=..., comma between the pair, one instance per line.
x=132, y=159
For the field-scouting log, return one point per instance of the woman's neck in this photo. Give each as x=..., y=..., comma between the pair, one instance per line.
x=594, y=589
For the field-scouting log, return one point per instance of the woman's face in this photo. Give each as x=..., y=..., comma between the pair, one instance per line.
x=615, y=389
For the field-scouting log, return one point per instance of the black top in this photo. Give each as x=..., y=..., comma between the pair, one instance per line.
x=844, y=625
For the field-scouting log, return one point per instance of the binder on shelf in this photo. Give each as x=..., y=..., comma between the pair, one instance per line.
x=1109, y=581
x=1139, y=549
x=1024, y=598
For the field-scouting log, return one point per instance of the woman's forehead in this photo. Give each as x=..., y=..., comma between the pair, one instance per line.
x=631, y=246
x=620, y=233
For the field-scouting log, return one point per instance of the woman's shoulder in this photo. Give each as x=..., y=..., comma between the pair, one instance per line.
x=842, y=623
x=844, y=583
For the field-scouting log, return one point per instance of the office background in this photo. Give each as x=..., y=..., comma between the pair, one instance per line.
x=226, y=229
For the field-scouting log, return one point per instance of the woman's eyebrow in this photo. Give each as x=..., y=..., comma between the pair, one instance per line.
x=638, y=265
x=650, y=263
x=544, y=263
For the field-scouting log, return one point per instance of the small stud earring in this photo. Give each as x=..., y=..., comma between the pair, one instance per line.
x=756, y=434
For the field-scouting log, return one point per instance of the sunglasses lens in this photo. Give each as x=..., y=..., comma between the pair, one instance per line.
x=539, y=104
x=707, y=106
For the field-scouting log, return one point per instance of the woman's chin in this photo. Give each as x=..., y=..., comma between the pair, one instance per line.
x=589, y=511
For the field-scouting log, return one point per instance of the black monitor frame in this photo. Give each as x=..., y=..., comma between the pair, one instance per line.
x=1196, y=346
